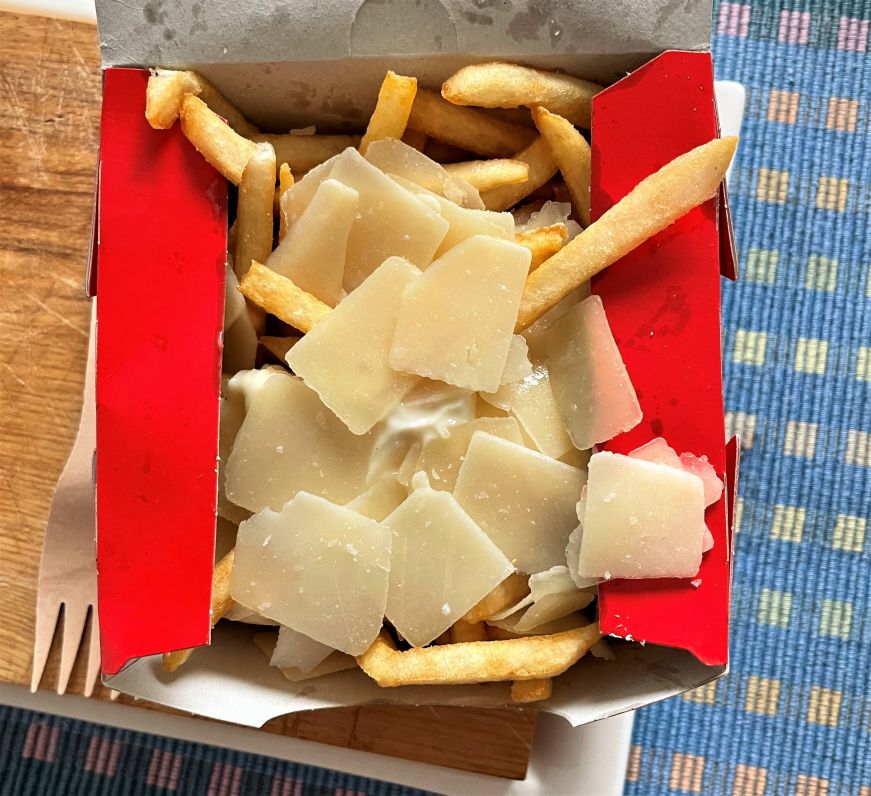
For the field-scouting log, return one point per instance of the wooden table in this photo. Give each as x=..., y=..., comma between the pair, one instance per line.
x=49, y=113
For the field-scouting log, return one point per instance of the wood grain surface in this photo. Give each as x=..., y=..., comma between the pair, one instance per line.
x=49, y=114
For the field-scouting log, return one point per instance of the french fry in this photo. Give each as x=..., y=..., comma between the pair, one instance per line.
x=523, y=691
x=303, y=152
x=278, y=346
x=468, y=631
x=542, y=167
x=285, y=183
x=655, y=203
x=486, y=175
x=254, y=209
x=390, y=116
x=543, y=242
x=529, y=658
x=279, y=296
x=571, y=152
x=501, y=85
x=221, y=604
x=466, y=128
x=216, y=141
x=510, y=592
x=166, y=90
x=416, y=139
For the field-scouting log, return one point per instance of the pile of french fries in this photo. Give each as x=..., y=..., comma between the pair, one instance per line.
x=515, y=135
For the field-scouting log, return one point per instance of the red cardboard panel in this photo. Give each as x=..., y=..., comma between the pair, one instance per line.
x=160, y=286
x=663, y=305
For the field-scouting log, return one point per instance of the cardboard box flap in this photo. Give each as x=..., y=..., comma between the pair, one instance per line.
x=297, y=51
x=663, y=305
x=262, y=31
x=162, y=240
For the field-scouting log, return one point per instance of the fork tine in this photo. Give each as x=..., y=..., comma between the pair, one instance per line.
x=73, y=628
x=93, y=655
x=47, y=610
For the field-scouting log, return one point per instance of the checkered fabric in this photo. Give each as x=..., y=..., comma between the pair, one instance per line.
x=794, y=715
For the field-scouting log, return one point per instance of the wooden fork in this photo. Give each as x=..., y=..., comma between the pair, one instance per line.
x=68, y=570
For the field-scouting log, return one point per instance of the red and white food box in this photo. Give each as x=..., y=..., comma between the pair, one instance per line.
x=159, y=275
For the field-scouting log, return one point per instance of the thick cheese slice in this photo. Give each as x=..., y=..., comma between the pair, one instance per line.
x=589, y=380
x=442, y=564
x=344, y=357
x=381, y=498
x=317, y=568
x=457, y=319
x=290, y=442
x=312, y=253
x=464, y=222
x=640, y=520
x=532, y=402
x=401, y=160
x=295, y=650
x=442, y=457
x=390, y=220
x=524, y=501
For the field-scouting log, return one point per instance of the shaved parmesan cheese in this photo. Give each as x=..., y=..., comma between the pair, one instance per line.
x=442, y=457
x=517, y=366
x=555, y=626
x=380, y=499
x=657, y=451
x=390, y=221
x=295, y=650
x=234, y=301
x=442, y=564
x=524, y=501
x=239, y=613
x=590, y=382
x=317, y=568
x=464, y=222
x=344, y=357
x=641, y=520
x=552, y=595
x=573, y=555
x=457, y=319
x=401, y=160
x=312, y=253
x=297, y=199
x=290, y=442
x=531, y=400
x=701, y=467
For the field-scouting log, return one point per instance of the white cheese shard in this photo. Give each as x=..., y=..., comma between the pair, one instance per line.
x=295, y=650
x=390, y=221
x=312, y=253
x=317, y=568
x=641, y=520
x=344, y=357
x=531, y=400
x=297, y=199
x=556, y=626
x=524, y=501
x=401, y=160
x=573, y=555
x=385, y=495
x=464, y=222
x=442, y=564
x=457, y=319
x=590, y=382
x=234, y=301
x=660, y=452
x=290, y=442
x=517, y=366
x=552, y=595
x=442, y=457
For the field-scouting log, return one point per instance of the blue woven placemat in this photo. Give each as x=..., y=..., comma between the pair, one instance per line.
x=794, y=715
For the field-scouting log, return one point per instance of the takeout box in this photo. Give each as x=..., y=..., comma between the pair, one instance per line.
x=159, y=275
